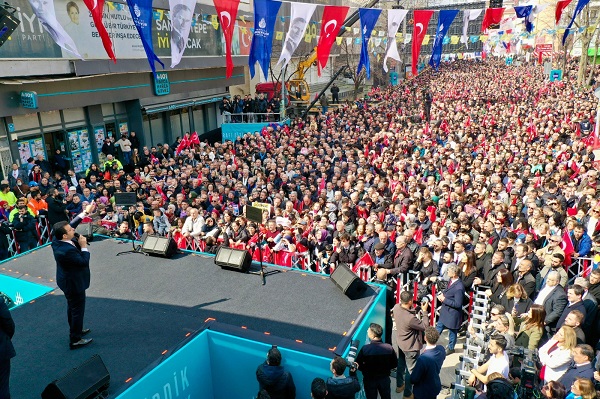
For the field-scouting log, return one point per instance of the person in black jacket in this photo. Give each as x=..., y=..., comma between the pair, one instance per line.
x=339, y=386
x=335, y=94
x=274, y=378
x=4, y=246
x=375, y=360
x=7, y=350
x=345, y=252
x=57, y=207
x=24, y=227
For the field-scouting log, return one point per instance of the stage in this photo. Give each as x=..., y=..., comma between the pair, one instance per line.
x=142, y=308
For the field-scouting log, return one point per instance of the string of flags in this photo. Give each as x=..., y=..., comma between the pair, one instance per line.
x=302, y=27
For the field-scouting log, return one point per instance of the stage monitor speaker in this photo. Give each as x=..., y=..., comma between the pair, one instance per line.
x=86, y=230
x=125, y=199
x=231, y=258
x=89, y=380
x=165, y=247
x=8, y=24
x=348, y=282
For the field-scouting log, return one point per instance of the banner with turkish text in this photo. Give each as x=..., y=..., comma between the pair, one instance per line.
x=142, y=16
x=395, y=18
x=368, y=19
x=299, y=19
x=96, y=8
x=444, y=21
x=421, y=22
x=227, y=14
x=333, y=19
x=182, y=15
x=265, y=14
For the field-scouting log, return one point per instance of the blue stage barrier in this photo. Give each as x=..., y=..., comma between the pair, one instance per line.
x=21, y=291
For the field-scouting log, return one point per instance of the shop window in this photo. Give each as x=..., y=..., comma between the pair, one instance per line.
x=26, y=122
x=73, y=115
x=51, y=118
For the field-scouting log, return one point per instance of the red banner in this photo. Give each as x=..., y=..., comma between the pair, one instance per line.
x=96, y=7
x=492, y=16
x=560, y=6
x=227, y=12
x=333, y=20
x=421, y=22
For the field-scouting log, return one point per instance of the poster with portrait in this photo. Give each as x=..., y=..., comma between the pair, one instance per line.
x=99, y=134
x=123, y=129
x=24, y=151
x=84, y=140
x=81, y=154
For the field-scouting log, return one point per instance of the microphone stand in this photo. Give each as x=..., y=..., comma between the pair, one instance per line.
x=262, y=273
x=135, y=250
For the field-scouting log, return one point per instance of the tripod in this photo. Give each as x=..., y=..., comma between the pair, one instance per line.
x=135, y=250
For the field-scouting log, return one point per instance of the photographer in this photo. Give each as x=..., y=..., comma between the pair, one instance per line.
x=339, y=386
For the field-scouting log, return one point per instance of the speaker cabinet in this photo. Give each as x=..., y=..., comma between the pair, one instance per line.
x=86, y=230
x=89, y=380
x=230, y=258
x=348, y=282
x=165, y=247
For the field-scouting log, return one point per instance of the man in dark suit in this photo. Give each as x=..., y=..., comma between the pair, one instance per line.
x=375, y=360
x=7, y=351
x=581, y=366
x=16, y=174
x=403, y=258
x=491, y=270
x=73, y=278
x=574, y=295
x=451, y=311
x=524, y=277
x=426, y=375
x=554, y=300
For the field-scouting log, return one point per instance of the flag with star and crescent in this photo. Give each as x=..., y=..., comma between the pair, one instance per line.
x=368, y=19
x=265, y=15
x=333, y=19
x=444, y=21
x=227, y=13
x=96, y=8
x=421, y=22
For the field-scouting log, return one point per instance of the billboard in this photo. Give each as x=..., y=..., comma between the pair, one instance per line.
x=30, y=40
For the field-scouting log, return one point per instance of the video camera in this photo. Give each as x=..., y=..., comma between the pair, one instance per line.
x=354, y=344
x=529, y=371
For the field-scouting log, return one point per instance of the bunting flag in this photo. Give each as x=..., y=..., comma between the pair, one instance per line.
x=580, y=6
x=444, y=21
x=560, y=6
x=468, y=15
x=492, y=16
x=421, y=22
x=96, y=7
x=181, y=14
x=333, y=19
x=265, y=15
x=395, y=18
x=300, y=17
x=141, y=14
x=45, y=12
x=368, y=19
x=227, y=13
x=525, y=12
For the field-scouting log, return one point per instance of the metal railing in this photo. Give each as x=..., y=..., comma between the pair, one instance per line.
x=251, y=117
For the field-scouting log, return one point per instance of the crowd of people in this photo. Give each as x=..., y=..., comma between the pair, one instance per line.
x=476, y=175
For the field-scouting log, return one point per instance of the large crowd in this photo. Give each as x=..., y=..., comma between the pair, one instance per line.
x=478, y=173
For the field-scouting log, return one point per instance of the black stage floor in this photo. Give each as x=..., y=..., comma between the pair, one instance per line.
x=140, y=306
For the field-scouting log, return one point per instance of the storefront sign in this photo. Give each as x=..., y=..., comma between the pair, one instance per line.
x=29, y=99
x=161, y=84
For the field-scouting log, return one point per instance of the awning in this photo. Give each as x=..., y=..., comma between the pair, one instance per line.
x=181, y=104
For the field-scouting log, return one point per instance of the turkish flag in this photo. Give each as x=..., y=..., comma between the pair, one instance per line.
x=419, y=236
x=567, y=247
x=364, y=260
x=560, y=6
x=333, y=20
x=96, y=7
x=421, y=21
x=492, y=16
x=227, y=12
x=431, y=211
x=194, y=139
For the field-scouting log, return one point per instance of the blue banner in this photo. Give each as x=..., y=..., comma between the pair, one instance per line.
x=444, y=21
x=368, y=18
x=525, y=12
x=142, y=16
x=265, y=15
x=580, y=6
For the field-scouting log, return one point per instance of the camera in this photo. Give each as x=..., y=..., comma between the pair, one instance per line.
x=352, y=353
x=528, y=373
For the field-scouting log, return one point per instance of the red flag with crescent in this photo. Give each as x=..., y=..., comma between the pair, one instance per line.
x=492, y=16
x=421, y=21
x=227, y=14
x=96, y=7
x=333, y=20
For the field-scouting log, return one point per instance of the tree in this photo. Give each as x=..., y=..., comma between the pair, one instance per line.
x=349, y=57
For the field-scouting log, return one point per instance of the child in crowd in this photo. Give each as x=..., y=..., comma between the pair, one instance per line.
x=161, y=222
